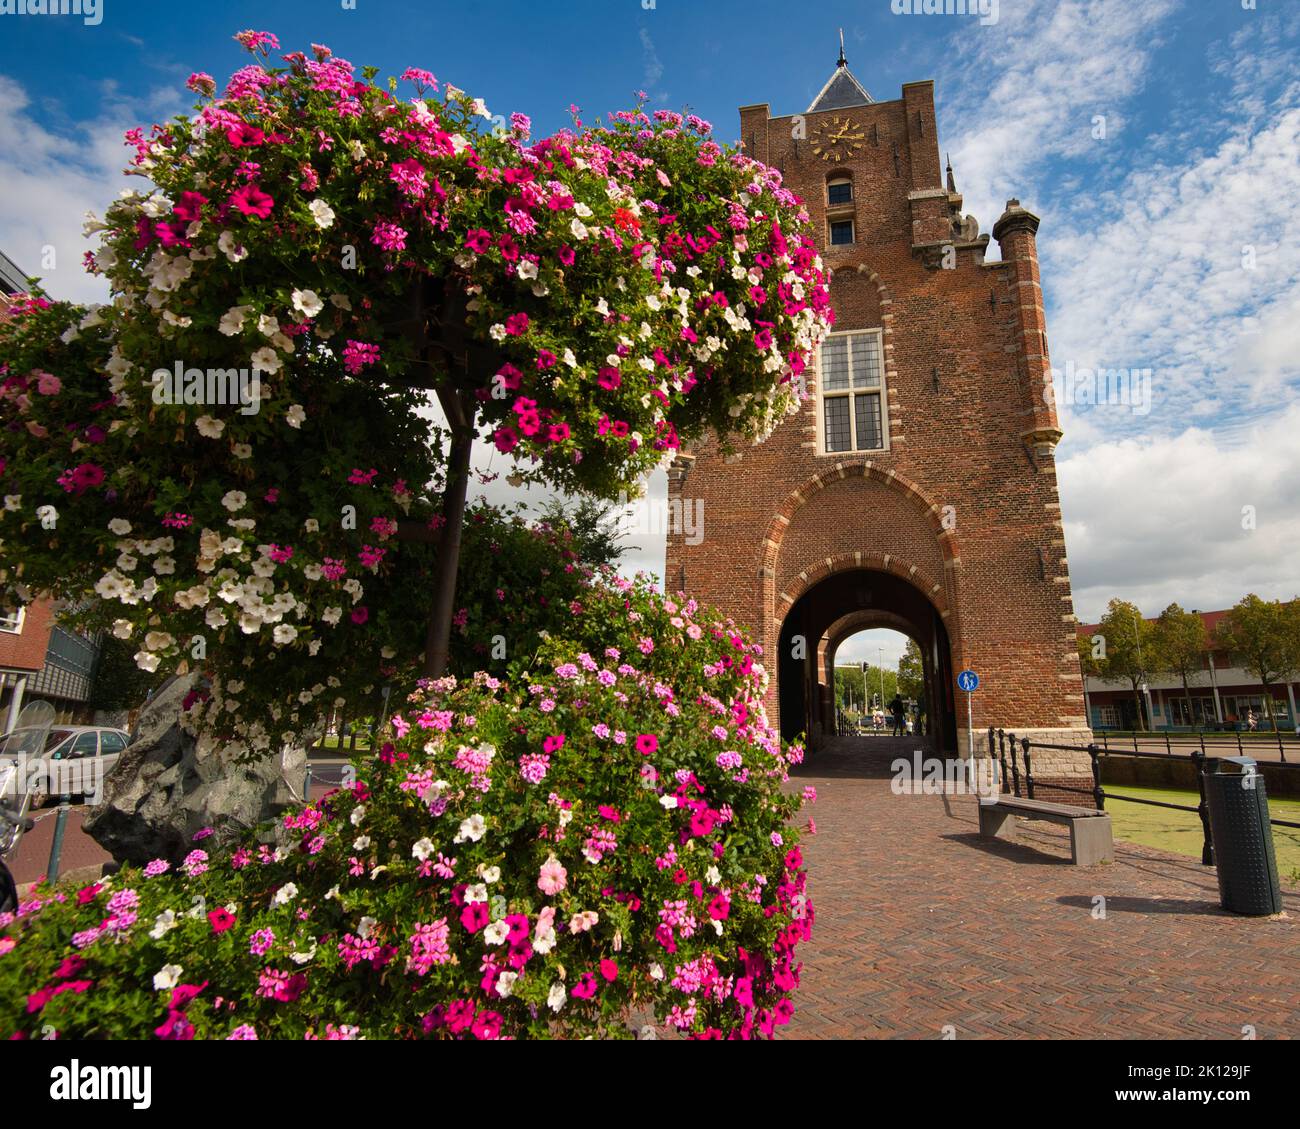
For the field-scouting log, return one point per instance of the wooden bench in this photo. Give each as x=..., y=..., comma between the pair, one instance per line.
x=1090, y=835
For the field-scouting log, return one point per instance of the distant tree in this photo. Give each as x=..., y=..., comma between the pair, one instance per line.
x=1264, y=636
x=1180, y=643
x=596, y=539
x=911, y=672
x=875, y=677
x=849, y=687
x=1125, y=650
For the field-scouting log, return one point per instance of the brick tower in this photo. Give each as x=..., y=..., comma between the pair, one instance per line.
x=916, y=489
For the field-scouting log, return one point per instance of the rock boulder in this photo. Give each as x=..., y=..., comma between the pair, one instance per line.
x=169, y=785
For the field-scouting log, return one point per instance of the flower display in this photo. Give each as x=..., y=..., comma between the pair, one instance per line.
x=446, y=893
x=246, y=406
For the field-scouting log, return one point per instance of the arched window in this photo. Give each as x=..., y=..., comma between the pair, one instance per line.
x=839, y=190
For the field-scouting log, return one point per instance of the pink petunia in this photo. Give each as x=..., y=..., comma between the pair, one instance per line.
x=252, y=201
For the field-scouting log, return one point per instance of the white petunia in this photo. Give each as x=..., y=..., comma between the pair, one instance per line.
x=321, y=212
x=167, y=977
x=556, y=996
x=473, y=829
x=234, y=500
x=284, y=633
x=422, y=849
x=295, y=415
x=120, y=526
x=231, y=248
x=266, y=359
x=668, y=802
x=496, y=933
x=307, y=302
x=285, y=894
x=210, y=428
x=161, y=924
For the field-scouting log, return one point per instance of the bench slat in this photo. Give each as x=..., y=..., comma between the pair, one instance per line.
x=1041, y=807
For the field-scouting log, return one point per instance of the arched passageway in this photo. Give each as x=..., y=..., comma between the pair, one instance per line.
x=840, y=605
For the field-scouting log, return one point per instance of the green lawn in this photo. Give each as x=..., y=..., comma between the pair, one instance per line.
x=330, y=741
x=1180, y=831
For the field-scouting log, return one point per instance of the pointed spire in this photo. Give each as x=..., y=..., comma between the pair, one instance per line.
x=842, y=90
x=952, y=184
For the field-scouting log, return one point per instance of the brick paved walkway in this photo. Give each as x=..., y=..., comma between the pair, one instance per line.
x=922, y=925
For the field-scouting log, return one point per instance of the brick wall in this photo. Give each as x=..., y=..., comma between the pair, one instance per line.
x=969, y=427
x=26, y=651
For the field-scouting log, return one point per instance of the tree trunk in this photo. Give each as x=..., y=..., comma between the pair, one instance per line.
x=1268, y=705
x=437, y=647
x=1187, y=693
x=1137, y=701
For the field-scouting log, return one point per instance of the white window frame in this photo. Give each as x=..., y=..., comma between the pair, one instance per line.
x=13, y=625
x=823, y=395
x=831, y=221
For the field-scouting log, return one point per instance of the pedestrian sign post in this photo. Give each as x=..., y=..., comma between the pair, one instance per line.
x=969, y=682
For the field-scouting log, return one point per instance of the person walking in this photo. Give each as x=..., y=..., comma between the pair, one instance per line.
x=897, y=708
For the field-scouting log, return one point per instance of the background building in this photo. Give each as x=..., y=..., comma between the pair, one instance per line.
x=1223, y=694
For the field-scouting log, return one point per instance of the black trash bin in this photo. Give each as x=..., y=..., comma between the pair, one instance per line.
x=1242, y=837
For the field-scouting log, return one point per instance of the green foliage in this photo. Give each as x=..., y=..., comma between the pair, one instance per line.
x=119, y=683
x=592, y=524
x=1264, y=635
x=911, y=673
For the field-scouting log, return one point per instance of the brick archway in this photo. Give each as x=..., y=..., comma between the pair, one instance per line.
x=941, y=590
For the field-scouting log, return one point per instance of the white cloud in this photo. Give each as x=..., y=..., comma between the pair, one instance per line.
x=1156, y=519
x=1025, y=90
x=53, y=177
x=1144, y=246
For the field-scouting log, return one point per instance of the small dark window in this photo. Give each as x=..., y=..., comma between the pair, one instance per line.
x=841, y=232
x=840, y=192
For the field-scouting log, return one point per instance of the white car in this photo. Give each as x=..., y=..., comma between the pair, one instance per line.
x=74, y=760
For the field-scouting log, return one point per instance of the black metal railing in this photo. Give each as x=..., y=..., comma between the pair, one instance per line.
x=1007, y=745
x=1217, y=738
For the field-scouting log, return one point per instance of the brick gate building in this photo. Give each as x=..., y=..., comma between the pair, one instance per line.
x=916, y=489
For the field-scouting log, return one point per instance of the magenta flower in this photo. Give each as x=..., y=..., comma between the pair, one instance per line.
x=221, y=919
x=647, y=744
x=244, y=136
x=389, y=236
x=252, y=201
x=585, y=988
x=474, y=917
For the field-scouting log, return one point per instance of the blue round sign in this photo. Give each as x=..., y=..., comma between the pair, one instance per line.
x=968, y=680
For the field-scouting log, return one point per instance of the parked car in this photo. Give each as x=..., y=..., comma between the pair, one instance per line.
x=64, y=747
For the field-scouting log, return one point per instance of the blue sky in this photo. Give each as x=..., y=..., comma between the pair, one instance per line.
x=1146, y=230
